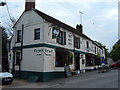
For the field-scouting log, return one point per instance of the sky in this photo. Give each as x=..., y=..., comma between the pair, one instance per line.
x=99, y=17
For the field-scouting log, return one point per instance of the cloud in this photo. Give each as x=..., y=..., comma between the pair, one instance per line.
x=105, y=27
x=102, y=14
x=112, y=13
x=82, y=0
x=66, y=0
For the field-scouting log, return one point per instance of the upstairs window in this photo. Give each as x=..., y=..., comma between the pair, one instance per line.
x=95, y=50
x=61, y=38
x=77, y=42
x=102, y=51
x=19, y=36
x=37, y=34
x=99, y=51
x=87, y=44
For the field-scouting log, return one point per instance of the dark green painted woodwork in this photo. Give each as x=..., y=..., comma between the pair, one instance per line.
x=53, y=75
x=39, y=76
x=45, y=45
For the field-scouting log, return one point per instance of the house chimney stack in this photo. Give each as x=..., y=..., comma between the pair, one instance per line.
x=29, y=4
x=79, y=28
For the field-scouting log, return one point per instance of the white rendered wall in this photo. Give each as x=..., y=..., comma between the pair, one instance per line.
x=33, y=60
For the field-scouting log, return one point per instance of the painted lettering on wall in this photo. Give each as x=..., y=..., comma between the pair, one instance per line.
x=43, y=51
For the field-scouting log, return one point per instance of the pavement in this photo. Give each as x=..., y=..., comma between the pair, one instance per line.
x=91, y=79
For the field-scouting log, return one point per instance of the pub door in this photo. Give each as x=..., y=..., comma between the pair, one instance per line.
x=77, y=61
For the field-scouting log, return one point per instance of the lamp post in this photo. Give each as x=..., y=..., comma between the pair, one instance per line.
x=2, y=3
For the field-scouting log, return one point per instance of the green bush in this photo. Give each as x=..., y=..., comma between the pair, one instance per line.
x=116, y=53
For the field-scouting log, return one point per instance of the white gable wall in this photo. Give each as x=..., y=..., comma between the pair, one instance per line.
x=31, y=21
x=31, y=61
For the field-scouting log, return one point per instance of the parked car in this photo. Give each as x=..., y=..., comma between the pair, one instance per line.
x=5, y=77
x=115, y=65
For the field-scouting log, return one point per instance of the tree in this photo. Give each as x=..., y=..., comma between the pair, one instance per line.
x=8, y=26
x=4, y=50
x=118, y=42
x=7, y=33
x=115, y=53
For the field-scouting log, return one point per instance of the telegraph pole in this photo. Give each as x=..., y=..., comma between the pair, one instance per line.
x=80, y=17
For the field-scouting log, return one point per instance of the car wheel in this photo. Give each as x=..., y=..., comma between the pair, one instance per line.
x=7, y=83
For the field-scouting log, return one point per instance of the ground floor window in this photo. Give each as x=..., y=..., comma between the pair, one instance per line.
x=63, y=58
x=89, y=60
x=59, y=59
x=97, y=60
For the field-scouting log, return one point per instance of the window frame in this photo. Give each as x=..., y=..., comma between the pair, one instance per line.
x=61, y=38
x=58, y=61
x=77, y=42
x=19, y=36
x=95, y=49
x=87, y=44
x=37, y=34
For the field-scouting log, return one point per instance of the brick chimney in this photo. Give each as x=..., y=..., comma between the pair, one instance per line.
x=29, y=4
x=79, y=28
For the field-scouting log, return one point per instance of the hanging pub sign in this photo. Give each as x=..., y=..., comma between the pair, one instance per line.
x=55, y=32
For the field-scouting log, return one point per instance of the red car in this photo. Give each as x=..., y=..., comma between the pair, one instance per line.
x=116, y=65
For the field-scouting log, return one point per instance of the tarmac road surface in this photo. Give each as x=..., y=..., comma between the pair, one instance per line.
x=101, y=80
x=91, y=79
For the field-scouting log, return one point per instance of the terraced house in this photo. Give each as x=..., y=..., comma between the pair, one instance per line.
x=42, y=46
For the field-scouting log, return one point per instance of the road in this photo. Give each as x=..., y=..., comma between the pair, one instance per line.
x=94, y=80
x=84, y=80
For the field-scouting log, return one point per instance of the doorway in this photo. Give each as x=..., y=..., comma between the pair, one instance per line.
x=77, y=61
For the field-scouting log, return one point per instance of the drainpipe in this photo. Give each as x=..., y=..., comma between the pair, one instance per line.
x=13, y=64
x=74, y=52
x=21, y=51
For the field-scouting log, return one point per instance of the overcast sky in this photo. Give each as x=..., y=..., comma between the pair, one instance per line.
x=99, y=18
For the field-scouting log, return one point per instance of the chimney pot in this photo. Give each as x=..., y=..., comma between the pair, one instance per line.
x=29, y=5
x=79, y=28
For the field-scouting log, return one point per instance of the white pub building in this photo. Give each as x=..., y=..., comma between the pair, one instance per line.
x=42, y=46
